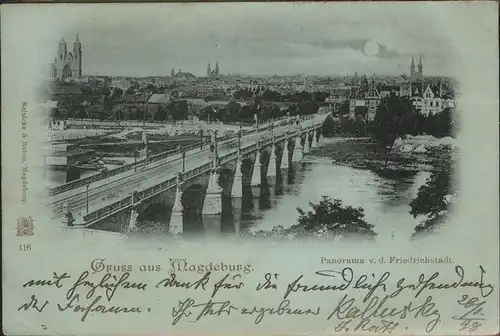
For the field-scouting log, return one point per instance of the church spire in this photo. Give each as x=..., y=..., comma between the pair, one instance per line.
x=420, y=67
x=77, y=38
x=412, y=67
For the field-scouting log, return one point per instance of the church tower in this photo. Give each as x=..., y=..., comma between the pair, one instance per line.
x=76, y=67
x=217, y=69
x=209, y=70
x=420, y=69
x=412, y=68
x=172, y=72
x=62, y=51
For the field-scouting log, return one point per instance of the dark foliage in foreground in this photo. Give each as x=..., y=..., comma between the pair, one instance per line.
x=328, y=218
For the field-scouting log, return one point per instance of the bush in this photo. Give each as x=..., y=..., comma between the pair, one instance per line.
x=329, y=218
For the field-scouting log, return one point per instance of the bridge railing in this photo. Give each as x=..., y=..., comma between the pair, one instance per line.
x=249, y=148
x=146, y=193
x=93, y=216
x=109, y=173
x=151, y=191
x=128, y=167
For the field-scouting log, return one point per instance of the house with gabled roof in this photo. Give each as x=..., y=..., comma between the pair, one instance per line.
x=372, y=98
x=430, y=101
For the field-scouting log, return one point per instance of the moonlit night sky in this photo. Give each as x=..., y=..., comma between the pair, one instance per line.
x=257, y=38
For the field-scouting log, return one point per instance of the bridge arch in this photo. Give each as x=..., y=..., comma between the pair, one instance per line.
x=246, y=170
x=265, y=154
x=153, y=214
x=153, y=218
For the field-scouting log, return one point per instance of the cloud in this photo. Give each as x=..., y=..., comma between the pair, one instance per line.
x=358, y=45
x=250, y=37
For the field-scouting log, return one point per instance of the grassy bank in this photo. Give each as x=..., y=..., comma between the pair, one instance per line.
x=366, y=153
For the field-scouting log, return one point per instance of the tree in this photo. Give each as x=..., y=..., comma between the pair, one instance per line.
x=395, y=118
x=331, y=218
x=273, y=96
x=444, y=123
x=344, y=107
x=330, y=126
x=265, y=113
x=308, y=107
x=231, y=112
x=178, y=109
x=435, y=196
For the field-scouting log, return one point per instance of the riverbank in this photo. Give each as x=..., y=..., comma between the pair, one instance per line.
x=411, y=155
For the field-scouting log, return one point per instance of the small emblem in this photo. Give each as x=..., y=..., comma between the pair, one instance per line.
x=25, y=226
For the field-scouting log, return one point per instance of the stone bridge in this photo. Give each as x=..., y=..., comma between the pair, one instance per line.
x=222, y=171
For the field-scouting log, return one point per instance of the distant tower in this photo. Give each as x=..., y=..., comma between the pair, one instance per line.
x=63, y=70
x=420, y=68
x=76, y=68
x=209, y=70
x=172, y=72
x=217, y=69
x=412, y=68
x=67, y=64
x=63, y=49
x=179, y=70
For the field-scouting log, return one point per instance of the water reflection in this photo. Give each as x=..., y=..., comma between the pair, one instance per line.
x=193, y=223
x=265, y=195
x=278, y=184
x=228, y=224
x=384, y=197
x=291, y=175
x=247, y=206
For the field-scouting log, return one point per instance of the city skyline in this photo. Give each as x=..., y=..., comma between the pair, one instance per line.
x=317, y=40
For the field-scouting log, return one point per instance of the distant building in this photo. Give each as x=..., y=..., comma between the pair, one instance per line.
x=364, y=99
x=430, y=101
x=160, y=98
x=372, y=98
x=182, y=77
x=213, y=73
x=67, y=64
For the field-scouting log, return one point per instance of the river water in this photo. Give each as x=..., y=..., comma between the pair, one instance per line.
x=385, y=199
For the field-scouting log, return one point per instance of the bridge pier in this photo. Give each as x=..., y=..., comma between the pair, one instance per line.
x=298, y=152
x=237, y=189
x=306, y=144
x=132, y=224
x=271, y=168
x=256, y=174
x=176, y=219
x=285, y=157
x=311, y=140
x=213, y=197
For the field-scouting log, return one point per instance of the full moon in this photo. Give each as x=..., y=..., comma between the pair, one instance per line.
x=371, y=48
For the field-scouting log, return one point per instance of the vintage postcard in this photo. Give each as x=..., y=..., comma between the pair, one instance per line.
x=250, y=169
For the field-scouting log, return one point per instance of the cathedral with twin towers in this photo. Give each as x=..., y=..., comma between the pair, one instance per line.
x=213, y=73
x=67, y=64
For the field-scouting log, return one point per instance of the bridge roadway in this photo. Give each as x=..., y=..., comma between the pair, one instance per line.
x=105, y=192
